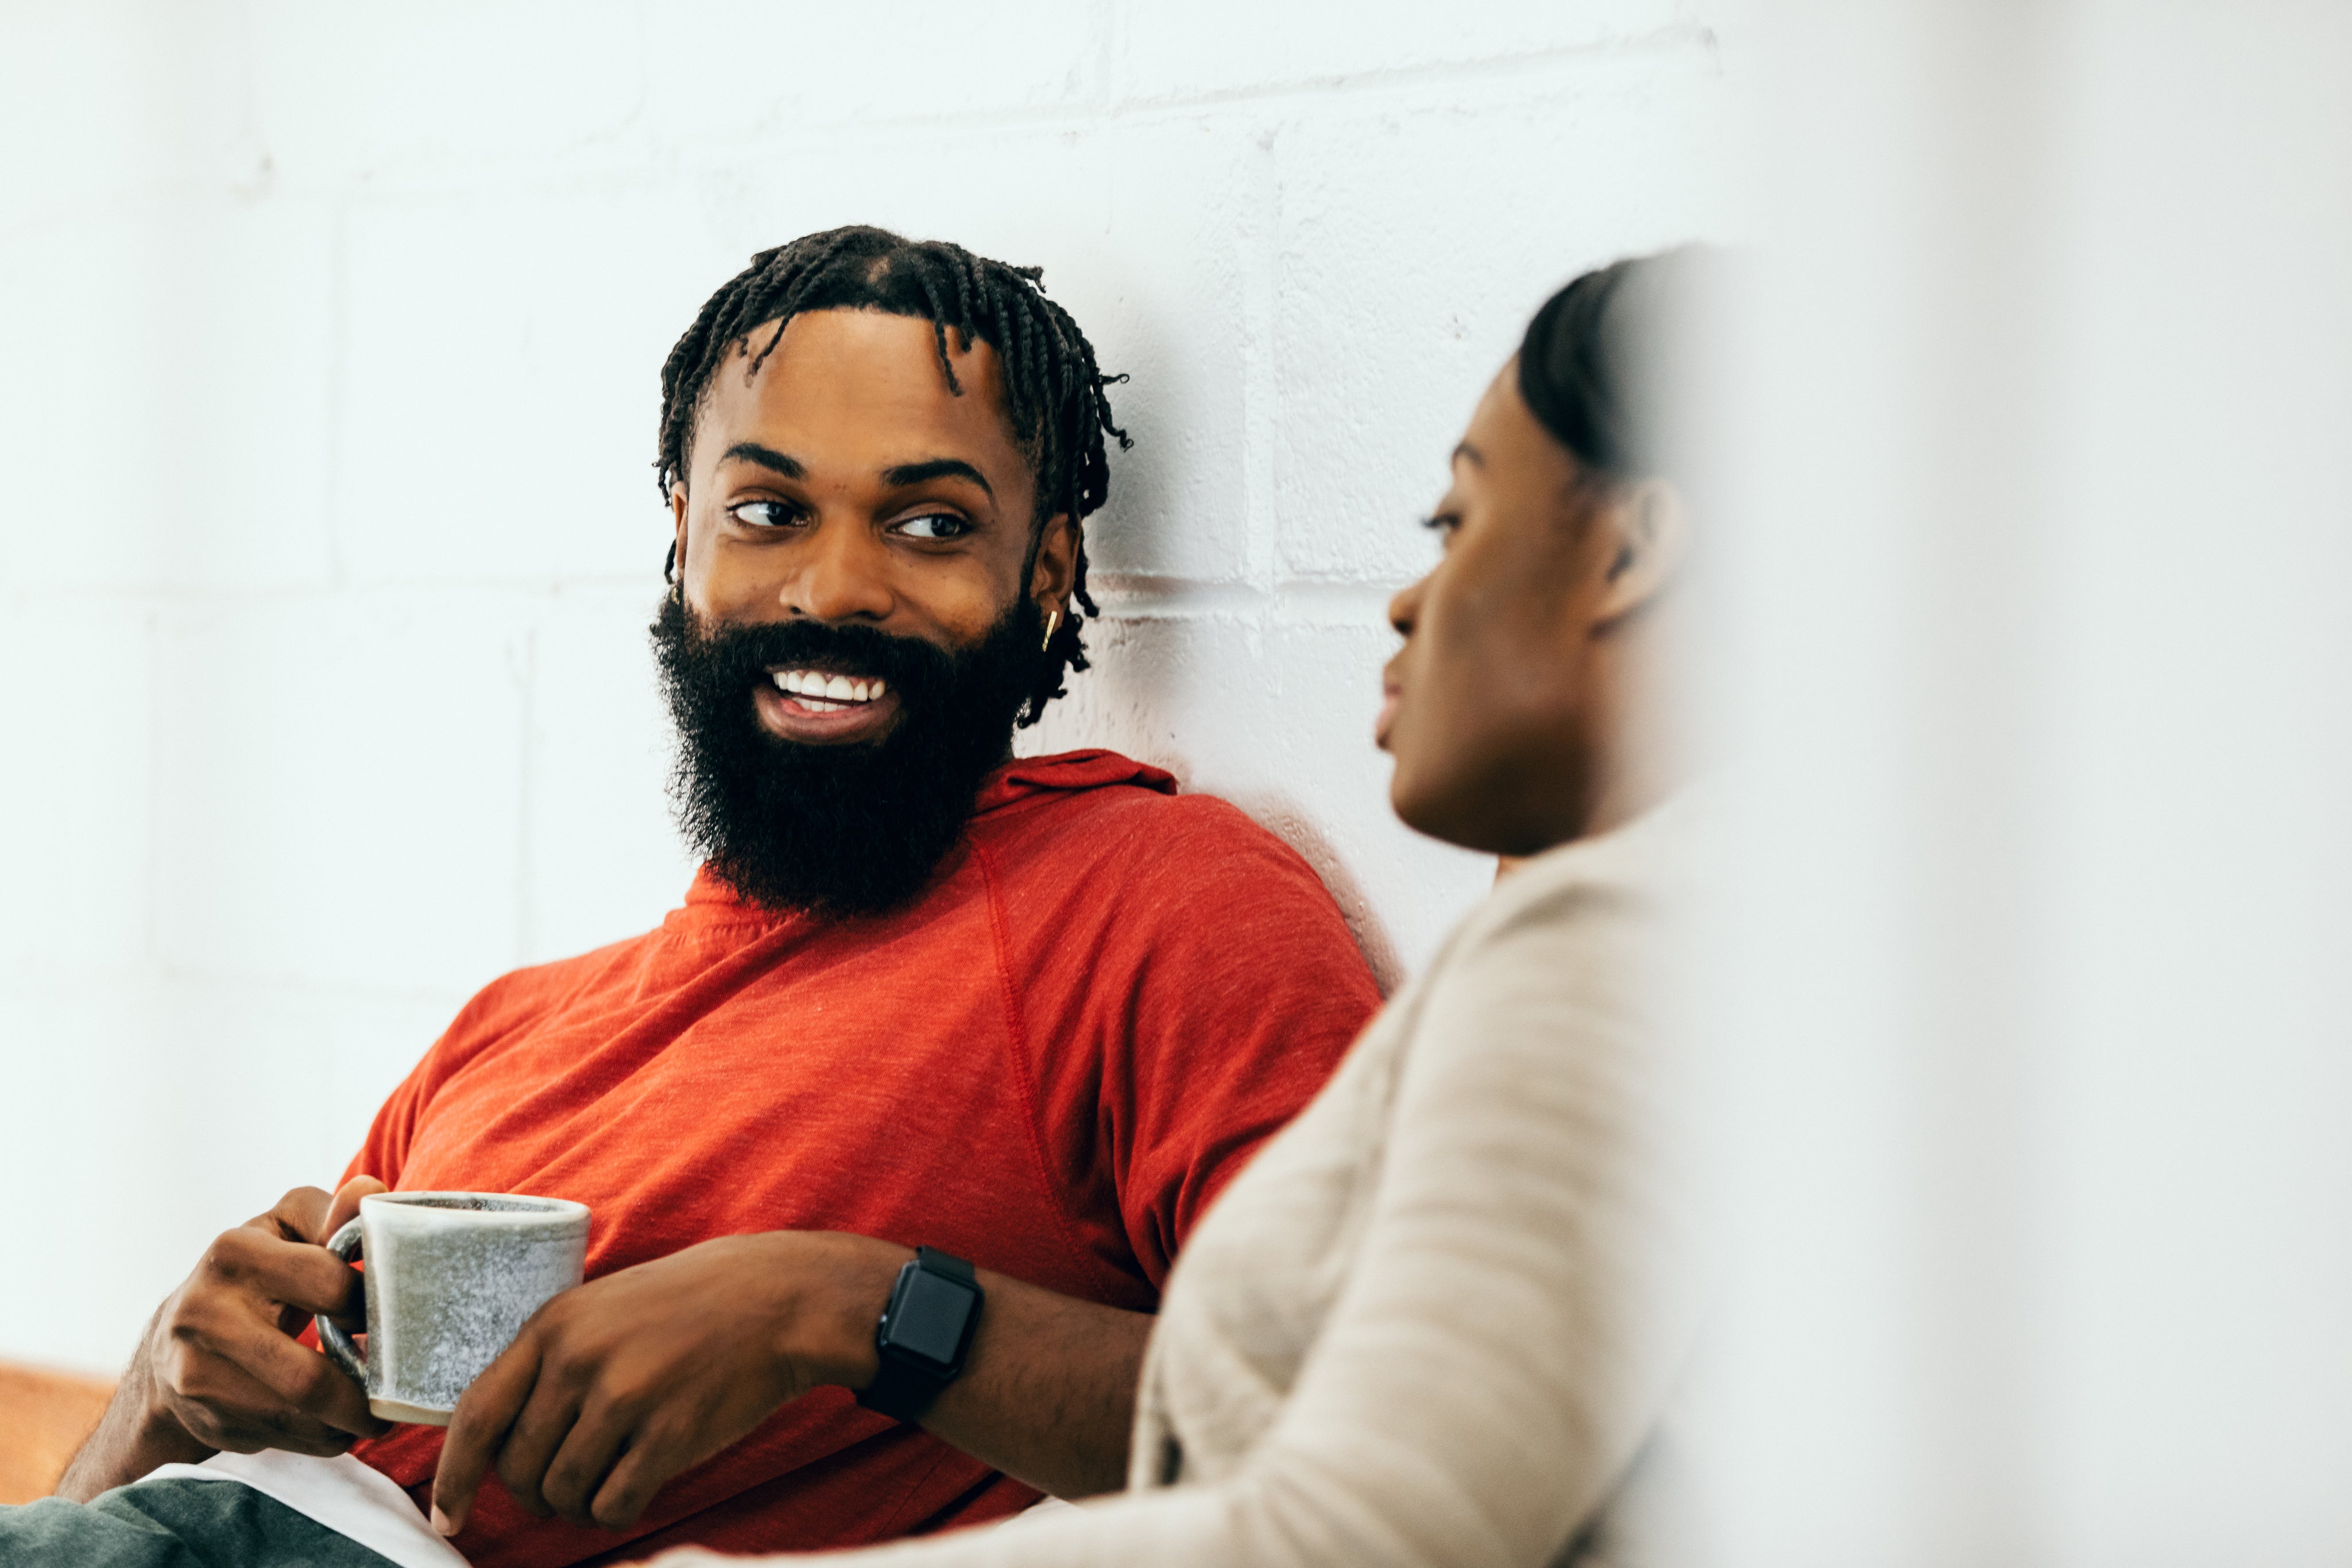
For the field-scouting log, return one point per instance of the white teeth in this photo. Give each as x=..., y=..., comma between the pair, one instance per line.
x=826, y=688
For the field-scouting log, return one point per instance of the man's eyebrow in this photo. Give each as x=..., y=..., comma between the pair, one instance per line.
x=1465, y=450
x=766, y=457
x=906, y=473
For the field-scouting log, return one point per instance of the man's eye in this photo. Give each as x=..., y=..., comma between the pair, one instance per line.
x=763, y=514
x=934, y=526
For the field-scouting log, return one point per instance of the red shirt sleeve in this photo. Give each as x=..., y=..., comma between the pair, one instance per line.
x=386, y=1148
x=1175, y=1028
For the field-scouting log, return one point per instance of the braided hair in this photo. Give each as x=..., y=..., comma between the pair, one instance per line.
x=1054, y=396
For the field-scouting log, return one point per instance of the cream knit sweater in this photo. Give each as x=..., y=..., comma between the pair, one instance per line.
x=1440, y=1319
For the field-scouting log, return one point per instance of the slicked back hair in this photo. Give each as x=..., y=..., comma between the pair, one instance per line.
x=1606, y=360
x=1053, y=391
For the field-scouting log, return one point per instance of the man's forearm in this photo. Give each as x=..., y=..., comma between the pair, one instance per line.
x=1047, y=1394
x=130, y=1441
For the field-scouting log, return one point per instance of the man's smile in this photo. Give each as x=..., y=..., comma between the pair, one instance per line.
x=825, y=708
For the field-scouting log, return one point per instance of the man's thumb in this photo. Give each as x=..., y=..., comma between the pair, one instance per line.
x=347, y=1204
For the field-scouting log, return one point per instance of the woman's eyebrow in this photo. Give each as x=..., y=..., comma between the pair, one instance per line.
x=905, y=474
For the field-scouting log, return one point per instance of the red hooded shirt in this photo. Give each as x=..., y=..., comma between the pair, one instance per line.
x=1049, y=1065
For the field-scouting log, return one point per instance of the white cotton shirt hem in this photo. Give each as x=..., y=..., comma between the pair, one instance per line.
x=340, y=1494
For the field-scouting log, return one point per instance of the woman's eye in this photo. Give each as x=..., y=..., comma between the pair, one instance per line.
x=762, y=514
x=934, y=526
x=1443, y=525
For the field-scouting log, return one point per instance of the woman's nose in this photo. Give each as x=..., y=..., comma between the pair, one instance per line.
x=1405, y=608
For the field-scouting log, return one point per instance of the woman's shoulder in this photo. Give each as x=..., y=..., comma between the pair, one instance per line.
x=1640, y=874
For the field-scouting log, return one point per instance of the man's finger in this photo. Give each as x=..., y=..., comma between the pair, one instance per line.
x=297, y=1216
x=539, y=1430
x=652, y=1459
x=224, y=1333
x=485, y=1412
x=292, y=1273
x=297, y=1375
x=230, y=1410
x=345, y=1205
x=576, y=1474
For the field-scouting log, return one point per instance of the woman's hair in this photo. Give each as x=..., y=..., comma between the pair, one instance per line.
x=1596, y=359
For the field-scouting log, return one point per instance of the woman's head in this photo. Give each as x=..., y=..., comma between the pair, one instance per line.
x=1511, y=706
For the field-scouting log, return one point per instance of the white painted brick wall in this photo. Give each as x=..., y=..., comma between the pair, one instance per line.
x=327, y=353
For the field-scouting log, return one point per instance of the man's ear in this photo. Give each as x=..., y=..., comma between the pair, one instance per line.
x=1648, y=533
x=1053, y=565
x=677, y=515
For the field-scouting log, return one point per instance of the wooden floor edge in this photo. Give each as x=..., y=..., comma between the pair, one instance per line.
x=45, y=1414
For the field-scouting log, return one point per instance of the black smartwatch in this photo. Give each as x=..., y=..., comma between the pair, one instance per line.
x=924, y=1334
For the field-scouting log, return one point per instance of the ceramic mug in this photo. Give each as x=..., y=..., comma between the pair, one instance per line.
x=451, y=1278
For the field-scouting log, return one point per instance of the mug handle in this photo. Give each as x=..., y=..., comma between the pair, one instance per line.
x=333, y=1339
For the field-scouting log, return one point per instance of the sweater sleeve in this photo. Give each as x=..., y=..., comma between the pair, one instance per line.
x=1517, y=1315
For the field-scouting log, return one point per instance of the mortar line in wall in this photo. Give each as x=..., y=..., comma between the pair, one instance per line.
x=1107, y=54
x=1111, y=587
x=151, y=936
x=45, y=980
x=606, y=159
x=1301, y=603
x=1261, y=385
x=225, y=596
x=337, y=361
x=1672, y=36
x=526, y=932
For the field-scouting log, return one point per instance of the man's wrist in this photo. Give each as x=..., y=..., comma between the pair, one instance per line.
x=137, y=1433
x=159, y=1438
x=924, y=1335
x=836, y=1299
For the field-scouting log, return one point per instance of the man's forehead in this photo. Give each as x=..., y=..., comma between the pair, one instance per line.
x=872, y=344
x=861, y=375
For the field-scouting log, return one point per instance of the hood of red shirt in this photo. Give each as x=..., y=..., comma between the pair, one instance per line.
x=1022, y=779
x=1065, y=772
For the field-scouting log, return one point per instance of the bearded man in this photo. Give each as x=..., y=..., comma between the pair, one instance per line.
x=1027, y=1016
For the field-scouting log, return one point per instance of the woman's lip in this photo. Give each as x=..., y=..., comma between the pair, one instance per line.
x=786, y=716
x=1389, y=700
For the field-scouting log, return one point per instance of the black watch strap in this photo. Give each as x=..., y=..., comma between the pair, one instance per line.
x=923, y=1335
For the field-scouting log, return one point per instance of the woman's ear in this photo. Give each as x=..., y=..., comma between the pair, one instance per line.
x=1648, y=535
x=1054, y=564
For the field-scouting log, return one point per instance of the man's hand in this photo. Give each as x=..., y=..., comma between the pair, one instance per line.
x=614, y=1387
x=220, y=1356
x=220, y=1367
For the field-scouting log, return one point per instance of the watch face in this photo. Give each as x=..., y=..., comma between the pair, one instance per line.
x=930, y=1318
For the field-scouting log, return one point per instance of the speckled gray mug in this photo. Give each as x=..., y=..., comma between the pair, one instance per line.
x=451, y=1278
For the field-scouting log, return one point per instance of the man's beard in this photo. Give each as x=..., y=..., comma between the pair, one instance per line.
x=851, y=828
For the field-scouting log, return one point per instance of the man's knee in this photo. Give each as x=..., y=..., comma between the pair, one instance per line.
x=173, y=1523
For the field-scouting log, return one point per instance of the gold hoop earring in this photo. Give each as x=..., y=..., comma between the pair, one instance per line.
x=1053, y=622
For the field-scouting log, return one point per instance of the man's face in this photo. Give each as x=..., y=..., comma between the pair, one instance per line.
x=845, y=484
x=854, y=630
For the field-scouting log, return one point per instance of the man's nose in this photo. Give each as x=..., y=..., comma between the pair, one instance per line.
x=842, y=575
